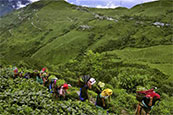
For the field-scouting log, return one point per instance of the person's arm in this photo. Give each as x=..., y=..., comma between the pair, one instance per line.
x=44, y=81
x=61, y=91
x=151, y=101
x=138, y=109
x=109, y=98
x=103, y=100
x=40, y=74
x=67, y=91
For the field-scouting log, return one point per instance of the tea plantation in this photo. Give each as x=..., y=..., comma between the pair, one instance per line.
x=124, y=48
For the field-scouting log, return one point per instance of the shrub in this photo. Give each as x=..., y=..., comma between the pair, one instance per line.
x=130, y=78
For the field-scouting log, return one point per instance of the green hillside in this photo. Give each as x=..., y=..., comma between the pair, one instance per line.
x=122, y=47
x=46, y=25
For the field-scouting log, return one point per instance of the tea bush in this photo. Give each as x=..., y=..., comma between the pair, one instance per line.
x=26, y=96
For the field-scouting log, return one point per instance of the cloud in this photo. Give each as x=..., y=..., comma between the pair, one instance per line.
x=34, y=0
x=136, y=1
x=113, y=0
x=112, y=6
x=108, y=3
x=20, y=5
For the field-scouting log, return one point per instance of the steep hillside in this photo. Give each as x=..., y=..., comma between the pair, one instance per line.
x=63, y=31
x=123, y=48
x=40, y=28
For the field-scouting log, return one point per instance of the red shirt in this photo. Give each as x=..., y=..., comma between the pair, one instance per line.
x=150, y=93
x=153, y=94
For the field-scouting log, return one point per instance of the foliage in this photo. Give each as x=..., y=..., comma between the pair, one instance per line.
x=123, y=78
x=25, y=96
x=123, y=101
x=164, y=107
x=125, y=52
x=130, y=78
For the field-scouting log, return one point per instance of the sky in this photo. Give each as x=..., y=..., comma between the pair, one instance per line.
x=20, y=5
x=108, y=3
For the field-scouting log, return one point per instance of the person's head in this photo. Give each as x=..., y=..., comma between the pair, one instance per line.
x=15, y=71
x=107, y=92
x=91, y=82
x=55, y=81
x=101, y=84
x=85, y=78
x=52, y=80
x=65, y=86
x=21, y=74
x=36, y=72
x=44, y=69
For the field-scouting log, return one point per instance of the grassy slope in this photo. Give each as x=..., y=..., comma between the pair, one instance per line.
x=49, y=30
x=42, y=27
x=159, y=57
x=139, y=9
x=161, y=10
x=63, y=48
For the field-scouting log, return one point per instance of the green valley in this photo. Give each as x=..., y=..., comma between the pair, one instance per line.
x=121, y=47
